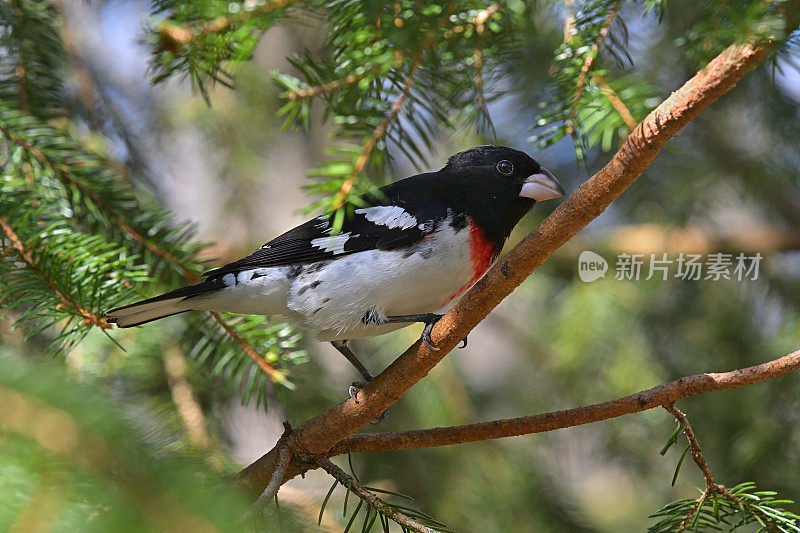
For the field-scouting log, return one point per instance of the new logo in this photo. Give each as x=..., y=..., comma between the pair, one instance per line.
x=591, y=266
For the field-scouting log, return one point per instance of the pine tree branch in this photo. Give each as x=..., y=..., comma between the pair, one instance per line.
x=69, y=179
x=175, y=36
x=662, y=395
x=587, y=65
x=190, y=275
x=712, y=487
x=377, y=134
x=28, y=258
x=321, y=433
x=370, y=498
x=272, y=372
x=335, y=85
x=617, y=103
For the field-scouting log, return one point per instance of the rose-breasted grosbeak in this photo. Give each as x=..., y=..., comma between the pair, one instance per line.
x=410, y=250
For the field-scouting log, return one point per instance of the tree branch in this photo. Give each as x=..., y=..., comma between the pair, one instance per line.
x=189, y=274
x=587, y=64
x=335, y=85
x=67, y=177
x=377, y=134
x=371, y=499
x=175, y=36
x=712, y=487
x=27, y=257
x=320, y=434
x=661, y=395
x=274, y=374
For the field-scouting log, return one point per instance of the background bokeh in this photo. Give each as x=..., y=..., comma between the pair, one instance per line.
x=729, y=182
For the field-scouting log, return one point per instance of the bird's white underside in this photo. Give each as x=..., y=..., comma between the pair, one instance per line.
x=330, y=298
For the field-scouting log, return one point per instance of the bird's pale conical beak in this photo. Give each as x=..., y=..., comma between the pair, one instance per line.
x=541, y=186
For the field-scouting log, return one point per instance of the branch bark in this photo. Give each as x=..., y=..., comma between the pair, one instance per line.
x=320, y=434
x=661, y=395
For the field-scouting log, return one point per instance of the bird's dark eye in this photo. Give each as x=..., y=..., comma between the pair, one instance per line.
x=505, y=167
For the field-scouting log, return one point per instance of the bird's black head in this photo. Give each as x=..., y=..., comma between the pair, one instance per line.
x=498, y=185
x=505, y=171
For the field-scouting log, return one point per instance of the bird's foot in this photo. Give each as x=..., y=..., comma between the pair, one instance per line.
x=463, y=343
x=353, y=391
x=430, y=321
x=355, y=388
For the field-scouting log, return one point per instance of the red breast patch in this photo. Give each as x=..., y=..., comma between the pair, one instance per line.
x=482, y=254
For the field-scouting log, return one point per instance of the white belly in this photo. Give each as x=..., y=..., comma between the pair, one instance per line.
x=332, y=297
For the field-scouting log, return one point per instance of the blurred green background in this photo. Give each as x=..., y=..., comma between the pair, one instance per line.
x=729, y=183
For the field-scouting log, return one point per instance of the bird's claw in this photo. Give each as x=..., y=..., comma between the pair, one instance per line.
x=353, y=391
x=381, y=417
x=463, y=343
x=426, y=333
x=355, y=388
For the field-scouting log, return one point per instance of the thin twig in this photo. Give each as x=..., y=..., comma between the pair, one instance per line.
x=477, y=56
x=311, y=92
x=370, y=498
x=26, y=256
x=377, y=134
x=285, y=454
x=587, y=64
x=284, y=457
x=616, y=102
x=712, y=487
x=687, y=520
x=175, y=36
x=694, y=446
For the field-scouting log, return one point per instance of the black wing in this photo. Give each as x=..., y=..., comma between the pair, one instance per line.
x=373, y=227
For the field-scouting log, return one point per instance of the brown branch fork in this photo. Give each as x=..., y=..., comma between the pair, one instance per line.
x=712, y=487
x=332, y=432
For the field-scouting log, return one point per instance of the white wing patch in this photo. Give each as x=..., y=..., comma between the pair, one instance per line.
x=334, y=244
x=323, y=224
x=391, y=216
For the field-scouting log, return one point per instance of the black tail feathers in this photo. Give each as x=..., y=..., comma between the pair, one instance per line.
x=162, y=306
